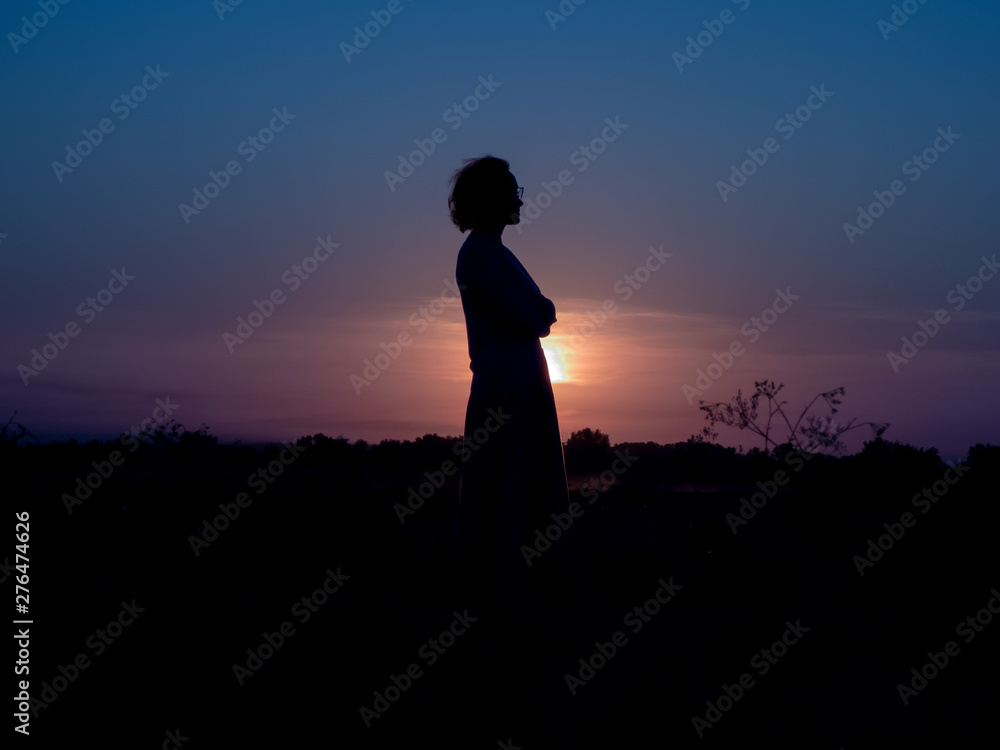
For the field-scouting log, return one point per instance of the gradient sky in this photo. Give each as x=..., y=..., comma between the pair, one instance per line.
x=554, y=89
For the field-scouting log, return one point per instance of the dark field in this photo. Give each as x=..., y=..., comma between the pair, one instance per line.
x=329, y=516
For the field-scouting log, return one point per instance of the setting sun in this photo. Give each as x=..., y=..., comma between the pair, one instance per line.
x=556, y=362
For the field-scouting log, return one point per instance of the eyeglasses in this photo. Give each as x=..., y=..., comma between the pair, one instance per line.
x=520, y=192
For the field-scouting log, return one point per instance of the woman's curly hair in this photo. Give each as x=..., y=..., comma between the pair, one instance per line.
x=479, y=192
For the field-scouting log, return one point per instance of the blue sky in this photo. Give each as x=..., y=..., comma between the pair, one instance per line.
x=657, y=183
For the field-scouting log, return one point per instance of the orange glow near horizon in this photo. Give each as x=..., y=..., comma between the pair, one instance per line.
x=556, y=360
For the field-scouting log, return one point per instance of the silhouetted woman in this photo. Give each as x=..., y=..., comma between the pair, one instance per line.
x=513, y=477
x=513, y=474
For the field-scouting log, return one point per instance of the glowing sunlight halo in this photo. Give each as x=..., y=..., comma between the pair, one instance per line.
x=556, y=362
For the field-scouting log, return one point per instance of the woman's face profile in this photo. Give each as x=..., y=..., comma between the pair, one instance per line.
x=514, y=211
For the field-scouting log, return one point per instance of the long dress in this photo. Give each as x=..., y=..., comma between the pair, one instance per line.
x=513, y=473
x=513, y=480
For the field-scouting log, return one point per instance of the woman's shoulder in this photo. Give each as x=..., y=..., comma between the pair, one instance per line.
x=480, y=250
x=477, y=241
